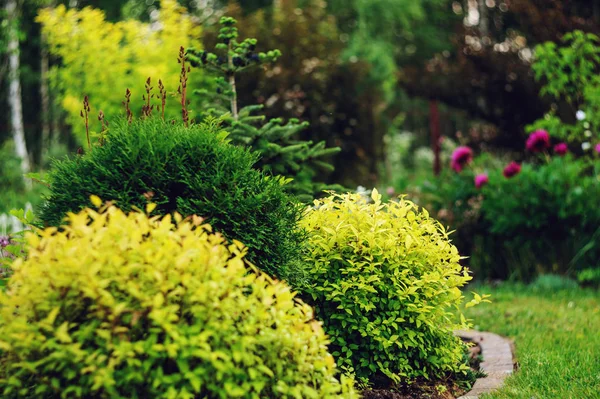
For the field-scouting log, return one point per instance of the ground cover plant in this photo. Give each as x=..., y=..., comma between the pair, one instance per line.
x=385, y=279
x=190, y=170
x=554, y=325
x=119, y=305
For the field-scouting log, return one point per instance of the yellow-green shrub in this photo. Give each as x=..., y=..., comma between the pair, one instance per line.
x=126, y=306
x=385, y=280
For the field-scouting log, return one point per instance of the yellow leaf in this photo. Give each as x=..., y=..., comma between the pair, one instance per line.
x=96, y=201
x=62, y=333
x=376, y=196
x=150, y=208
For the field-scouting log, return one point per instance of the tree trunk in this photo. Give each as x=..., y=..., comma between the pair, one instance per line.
x=14, y=88
x=434, y=127
x=483, y=19
x=44, y=96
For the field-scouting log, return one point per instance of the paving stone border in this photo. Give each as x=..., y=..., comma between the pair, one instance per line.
x=498, y=361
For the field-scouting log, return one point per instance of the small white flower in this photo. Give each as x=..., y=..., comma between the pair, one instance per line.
x=580, y=115
x=586, y=146
x=588, y=133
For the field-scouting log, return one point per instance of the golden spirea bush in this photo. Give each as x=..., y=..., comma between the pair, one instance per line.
x=127, y=306
x=386, y=283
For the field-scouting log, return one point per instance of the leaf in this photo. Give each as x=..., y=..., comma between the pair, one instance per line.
x=96, y=201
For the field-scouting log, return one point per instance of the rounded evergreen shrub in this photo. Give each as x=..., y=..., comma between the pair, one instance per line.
x=127, y=306
x=190, y=170
x=385, y=280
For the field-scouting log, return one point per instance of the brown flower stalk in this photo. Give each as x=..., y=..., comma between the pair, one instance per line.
x=147, y=108
x=84, y=114
x=104, y=127
x=163, y=98
x=126, y=104
x=182, y=89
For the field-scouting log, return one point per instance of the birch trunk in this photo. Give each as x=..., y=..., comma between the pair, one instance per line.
x=44, y=96
x=14, y=89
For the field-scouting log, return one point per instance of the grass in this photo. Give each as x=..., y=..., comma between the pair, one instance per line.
x=556, y=331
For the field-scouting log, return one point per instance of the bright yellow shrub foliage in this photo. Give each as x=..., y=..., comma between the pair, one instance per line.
x=126, y=306
x=102, y=59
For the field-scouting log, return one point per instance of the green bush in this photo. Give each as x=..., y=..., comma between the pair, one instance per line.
x=128, y=306
x=543, y=220
x=13, y=192
x=553, y=283
x=385, y=281
x=192, y=171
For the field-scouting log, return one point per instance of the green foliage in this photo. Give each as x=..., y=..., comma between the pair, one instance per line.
x=542, y=196
x=13, y=245
x=589, y=277
x=131, y=306
x=552, y=283
x=546, y=217
x=385, y=280
x=567, y=70
x=236, y=56
x=97, y=56
x=543, y=220
x=388, y=34
x=192, y=171
x=281, y=150
x=570, y=72
x=13, y=192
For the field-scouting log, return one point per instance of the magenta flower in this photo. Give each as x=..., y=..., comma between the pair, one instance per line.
x=390, y=191
x=511, y=169
x=460, y=158
x=561, y=149
x=4, y=241
x=481, y=180
x=597, y=148
x=538, y=141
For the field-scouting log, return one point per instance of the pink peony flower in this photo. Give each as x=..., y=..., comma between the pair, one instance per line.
x=561, y=149
x=538, y=141
x=481, y=180
x=597, y=148
x=460, y=158
x=511, y=169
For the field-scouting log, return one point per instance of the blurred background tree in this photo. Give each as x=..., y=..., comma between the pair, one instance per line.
x=357, y=70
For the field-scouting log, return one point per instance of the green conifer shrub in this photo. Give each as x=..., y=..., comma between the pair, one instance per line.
x=282, y=151
x=190, y=170
x=131, y=306
x=386, y=282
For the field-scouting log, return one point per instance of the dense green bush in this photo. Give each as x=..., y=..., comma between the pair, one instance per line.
x=541, y=220
x=385, y=281
x=545, y=219
x=128, y=306
x=193, y=171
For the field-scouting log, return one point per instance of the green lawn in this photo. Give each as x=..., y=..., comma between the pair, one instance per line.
x=557, y=339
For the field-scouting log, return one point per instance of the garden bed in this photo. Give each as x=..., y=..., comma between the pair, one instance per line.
x=491, y=358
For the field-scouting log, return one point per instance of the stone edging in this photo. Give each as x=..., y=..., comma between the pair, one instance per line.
x=498, y=362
